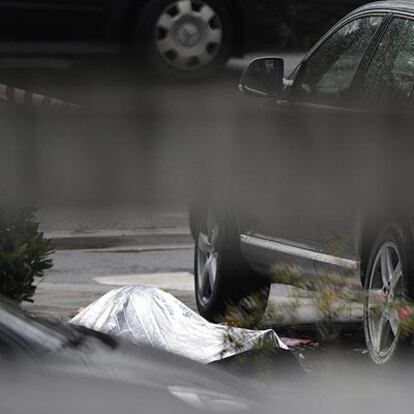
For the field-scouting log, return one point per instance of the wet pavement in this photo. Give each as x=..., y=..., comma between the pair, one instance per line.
x=81, y=276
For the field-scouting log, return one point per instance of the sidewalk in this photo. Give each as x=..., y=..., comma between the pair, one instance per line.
x=72, y=228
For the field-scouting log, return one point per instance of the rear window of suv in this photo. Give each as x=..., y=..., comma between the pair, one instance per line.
x=390, y=75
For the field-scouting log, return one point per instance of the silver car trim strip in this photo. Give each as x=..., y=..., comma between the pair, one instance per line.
x=298, y=252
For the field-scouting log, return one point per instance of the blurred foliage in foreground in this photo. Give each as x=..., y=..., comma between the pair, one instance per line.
x=24, y=254
x=331, y=297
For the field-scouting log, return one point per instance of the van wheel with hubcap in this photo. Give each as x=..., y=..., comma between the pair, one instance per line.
x=187, y=38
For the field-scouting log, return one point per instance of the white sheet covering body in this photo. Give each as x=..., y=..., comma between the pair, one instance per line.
x=151, y=316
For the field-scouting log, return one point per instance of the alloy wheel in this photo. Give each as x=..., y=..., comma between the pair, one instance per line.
x=189, y=34
x=382, y=321
x=207, y=257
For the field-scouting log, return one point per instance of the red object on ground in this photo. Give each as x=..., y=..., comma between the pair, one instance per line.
x=404, y=313
x=295, y=342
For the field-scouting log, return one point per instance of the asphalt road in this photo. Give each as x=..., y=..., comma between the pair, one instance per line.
x=81, y=276
x=77, y=277
x=92, y=272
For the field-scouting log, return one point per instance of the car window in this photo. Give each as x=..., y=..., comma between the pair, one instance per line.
x=329, y=72
x=390, y=76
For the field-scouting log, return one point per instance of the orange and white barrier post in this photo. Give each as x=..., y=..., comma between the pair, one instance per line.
x=22, y=97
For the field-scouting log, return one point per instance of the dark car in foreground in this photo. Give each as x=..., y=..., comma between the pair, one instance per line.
x=194, y=37
x=56, y=368
x=338, y=202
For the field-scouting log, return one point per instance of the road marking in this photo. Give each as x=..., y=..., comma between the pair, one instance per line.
x=169, y=281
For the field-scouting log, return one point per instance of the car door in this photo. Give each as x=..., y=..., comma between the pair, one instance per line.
x=289, y=217
x=53, y=21
x=382, y=158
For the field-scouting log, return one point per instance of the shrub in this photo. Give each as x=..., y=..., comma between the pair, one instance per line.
x=24, y=254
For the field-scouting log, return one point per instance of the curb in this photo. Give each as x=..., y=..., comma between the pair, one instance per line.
x=105, y=241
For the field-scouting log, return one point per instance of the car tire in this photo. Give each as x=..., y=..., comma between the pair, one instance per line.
x=388, y=291
x=186, y=39
x=226, y=288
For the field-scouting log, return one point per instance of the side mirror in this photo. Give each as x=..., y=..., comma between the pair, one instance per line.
x=263, y=77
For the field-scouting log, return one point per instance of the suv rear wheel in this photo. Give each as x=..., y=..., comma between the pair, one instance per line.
x=389, y=269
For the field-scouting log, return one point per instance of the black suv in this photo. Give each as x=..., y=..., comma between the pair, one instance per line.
x=310, y=213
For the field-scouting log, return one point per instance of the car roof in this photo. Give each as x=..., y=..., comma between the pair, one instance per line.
x=405, y=6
